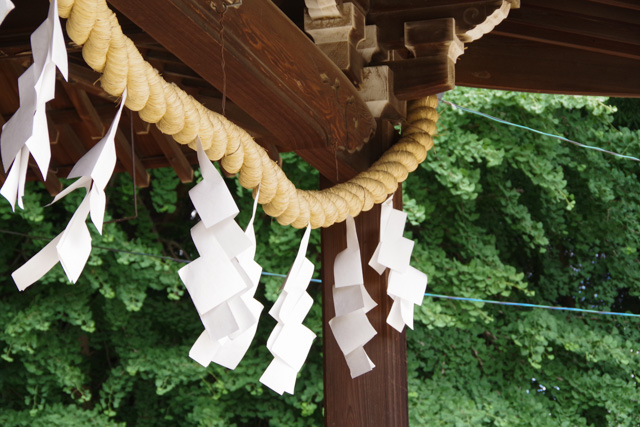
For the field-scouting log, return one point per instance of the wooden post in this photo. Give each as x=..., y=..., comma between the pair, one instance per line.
x=378, y=398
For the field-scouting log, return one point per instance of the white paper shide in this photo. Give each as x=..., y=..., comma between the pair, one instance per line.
x=6, y=6
x=406, y=284
x=72, y=247
x=222, y=282
x=351, y=327
x=290, y=340
x=27, y=131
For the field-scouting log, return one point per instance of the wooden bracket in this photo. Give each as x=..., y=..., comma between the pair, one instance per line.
x=378, y=92
x=433, y=48
x=339, y=37
x=422, y=42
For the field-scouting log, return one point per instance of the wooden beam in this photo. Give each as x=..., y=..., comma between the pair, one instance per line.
x=52, y=183
x=597, y=9
x=629, y=4
x=174, y=154
x=578, y=31
x=377, y=398
x=128, y=158
x=86, y=79
x=273, y=71
x=71, y=143
x=86, y=110
x=505, y=63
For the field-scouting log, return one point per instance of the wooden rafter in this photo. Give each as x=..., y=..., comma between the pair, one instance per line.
x=174, y=154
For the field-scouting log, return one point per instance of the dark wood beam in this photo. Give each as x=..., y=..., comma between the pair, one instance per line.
x=620, y=11
x=629, y=4
x=506, y=63
x=86, y=79
x=71, y=143
x=536, y=22
x=377, y=398
x=86, y=111
x=52, y=183
x=561, y=37
x=273, y=71
x=128, y=158
x=174, y=154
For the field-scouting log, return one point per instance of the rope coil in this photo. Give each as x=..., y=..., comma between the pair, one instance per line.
x=91, y=24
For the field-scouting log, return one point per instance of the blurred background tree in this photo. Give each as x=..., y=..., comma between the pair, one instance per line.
x=496, y=212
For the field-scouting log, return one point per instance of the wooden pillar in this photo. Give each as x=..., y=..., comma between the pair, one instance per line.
x=377, y=398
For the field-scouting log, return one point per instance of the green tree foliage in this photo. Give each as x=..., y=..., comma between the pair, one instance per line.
x=496, y=213
x=502, y=213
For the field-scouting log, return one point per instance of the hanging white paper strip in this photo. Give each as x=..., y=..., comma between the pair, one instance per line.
x=5, y=7
x=290, y=340
x=406, y=285
x=73, y=246
x=27, y=131
x=351, y=327
x=222, y=282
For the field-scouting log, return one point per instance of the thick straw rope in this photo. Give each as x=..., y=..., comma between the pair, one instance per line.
x=91, y=24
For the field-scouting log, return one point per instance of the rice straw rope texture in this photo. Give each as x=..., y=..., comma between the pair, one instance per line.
x=92, y=25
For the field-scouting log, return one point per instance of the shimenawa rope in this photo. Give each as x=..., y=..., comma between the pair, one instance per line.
x=91, y=24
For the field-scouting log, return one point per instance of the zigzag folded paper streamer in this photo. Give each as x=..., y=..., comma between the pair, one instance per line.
x=27, y=130
x=352, y=302
x=73, y=246
x=222, y=282
x=5, y=7
x=406, y=284
x=290, y=341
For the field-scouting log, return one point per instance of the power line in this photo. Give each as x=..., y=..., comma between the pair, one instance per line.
x=520, y=304
x=561, y=138
x=267, y=273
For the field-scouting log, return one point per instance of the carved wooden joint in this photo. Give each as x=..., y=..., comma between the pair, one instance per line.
x=421, y=41
x=378, y=92
x=339, y=37
x=429, y=68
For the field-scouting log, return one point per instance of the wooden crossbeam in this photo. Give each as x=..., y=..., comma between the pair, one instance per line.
x=128, y=158
x=273, y=72
x=86, y=111
x=506, y=63
x=52, y=183
x=71, y=143
x=174, y=154
x=93, y=124
x=574, y=31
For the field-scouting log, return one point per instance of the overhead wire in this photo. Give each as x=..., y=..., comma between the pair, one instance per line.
x=449, y=297
x=319, y=281
x=561, y=138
